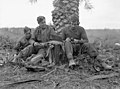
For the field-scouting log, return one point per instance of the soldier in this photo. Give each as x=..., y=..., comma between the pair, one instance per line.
x=43, y=33
x=24, y=41
x=77, y=34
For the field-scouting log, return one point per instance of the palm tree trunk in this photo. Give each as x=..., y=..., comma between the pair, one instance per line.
x=63, y=10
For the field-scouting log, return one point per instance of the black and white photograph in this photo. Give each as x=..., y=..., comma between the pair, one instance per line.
x=59, y=44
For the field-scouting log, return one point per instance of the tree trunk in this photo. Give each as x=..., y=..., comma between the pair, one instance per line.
x=63, y=10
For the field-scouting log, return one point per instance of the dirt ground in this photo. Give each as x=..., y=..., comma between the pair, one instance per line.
x=57, y=78
x=12, y=77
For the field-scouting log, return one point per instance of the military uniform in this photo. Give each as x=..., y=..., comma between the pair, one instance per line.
x=73, y=32
x=21, y=44
x=43, y=33
x=24, y=41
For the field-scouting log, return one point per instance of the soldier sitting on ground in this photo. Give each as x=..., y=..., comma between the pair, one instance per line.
x=77, y=34
x=42, y=34
x=24, y=41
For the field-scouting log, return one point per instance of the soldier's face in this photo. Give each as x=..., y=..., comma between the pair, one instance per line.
x=74, y=23
x=28, y=34
x=43, y=22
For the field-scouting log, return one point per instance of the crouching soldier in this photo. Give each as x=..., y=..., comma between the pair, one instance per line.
x=42, y=34
x=24, y=41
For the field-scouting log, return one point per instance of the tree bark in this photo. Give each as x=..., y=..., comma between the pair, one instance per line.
x=63, y=9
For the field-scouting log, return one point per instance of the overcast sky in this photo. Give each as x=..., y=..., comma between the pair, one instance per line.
x=20, y=13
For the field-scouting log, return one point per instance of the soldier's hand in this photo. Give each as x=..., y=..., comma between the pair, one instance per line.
x=44, y=44
x=67, y=39
x=36, y=44
x=76, y=41
x=51, y=46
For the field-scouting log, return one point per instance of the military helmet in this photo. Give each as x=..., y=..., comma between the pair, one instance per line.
x=40, y=19
x=26, y=29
